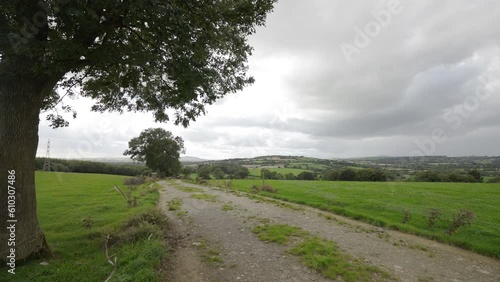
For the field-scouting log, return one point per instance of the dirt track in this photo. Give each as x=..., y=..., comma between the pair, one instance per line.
x=212, y=244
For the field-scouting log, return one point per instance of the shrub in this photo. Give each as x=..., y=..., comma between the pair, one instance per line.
x=133, y=181
x=305, y=175
x=254, y=189
x=143, y=231
x=153, y=216
x=150, y=189
x=494, y=180
x=406, y=216
x=228, y=183
x=268, y=188
x=142, y=226
x=264, y=188
x=464, y=217
x=132, y=202
x=433, y=215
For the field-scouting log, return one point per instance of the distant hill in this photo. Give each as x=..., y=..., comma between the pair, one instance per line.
x=402, y=166
x=107, y=160
x=190, y=159
x=185, y=159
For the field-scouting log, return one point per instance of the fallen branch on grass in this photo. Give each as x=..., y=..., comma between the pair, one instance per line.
x=120, y=190
x=113, y=263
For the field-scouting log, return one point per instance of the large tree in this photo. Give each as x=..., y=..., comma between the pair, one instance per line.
x=159, y=149
x=140, y=55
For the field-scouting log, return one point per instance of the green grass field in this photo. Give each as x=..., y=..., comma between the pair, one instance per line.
x=65, y=200
x=295, y=171
x=307, y=165
x=382, y=204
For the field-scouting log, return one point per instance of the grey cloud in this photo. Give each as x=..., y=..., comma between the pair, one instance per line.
x=427, y=61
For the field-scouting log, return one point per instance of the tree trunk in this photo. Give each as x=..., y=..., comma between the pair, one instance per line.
x=20, y=103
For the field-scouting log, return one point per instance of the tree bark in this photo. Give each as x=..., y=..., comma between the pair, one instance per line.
x=20, y=103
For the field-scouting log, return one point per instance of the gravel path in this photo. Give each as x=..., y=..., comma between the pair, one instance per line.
x=212, y=243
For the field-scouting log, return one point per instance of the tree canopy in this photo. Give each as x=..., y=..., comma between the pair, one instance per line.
x=167, y=57
x=140, y=55
x=159, y=149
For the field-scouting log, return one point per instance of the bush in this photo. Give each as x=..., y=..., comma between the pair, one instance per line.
x=406, y=216
x=264, y=188
x=142, y=226
x=350, y=174
x=464, y=217
x=433, y=215
x=268, y=188
x=93, y=167
x=254, y=189
x=453, y=176
x=228, y=183
x=153, y=216
x=305, y=175
x=150, y=189
x=134, y=181
x=494, y=180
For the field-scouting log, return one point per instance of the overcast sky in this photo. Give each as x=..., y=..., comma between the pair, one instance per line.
x=339, y=79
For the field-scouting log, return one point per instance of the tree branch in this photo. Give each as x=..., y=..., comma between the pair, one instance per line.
x=139, y=36
x=113, y=263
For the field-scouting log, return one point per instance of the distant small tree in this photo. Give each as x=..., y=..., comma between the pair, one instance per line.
x=265, y=173
x=381, y=175
x=305, y=175
x=204, y=172
x=218, y=173
x=331, y=175
x=187, y=171
x=494, y=180
x=290, y=176
x=366, y=175
x=476, y=175
x=241, y=173
x=428, y=176
x=159, y=149
x=347, y=174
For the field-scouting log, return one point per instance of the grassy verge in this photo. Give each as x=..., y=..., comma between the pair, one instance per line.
x=321, y=255
x=78, y=211
x=389, y=204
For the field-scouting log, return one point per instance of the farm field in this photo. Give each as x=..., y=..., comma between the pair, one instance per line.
x=256, y=171
x=383, y=204
x=308, y=166
x=65, y=200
